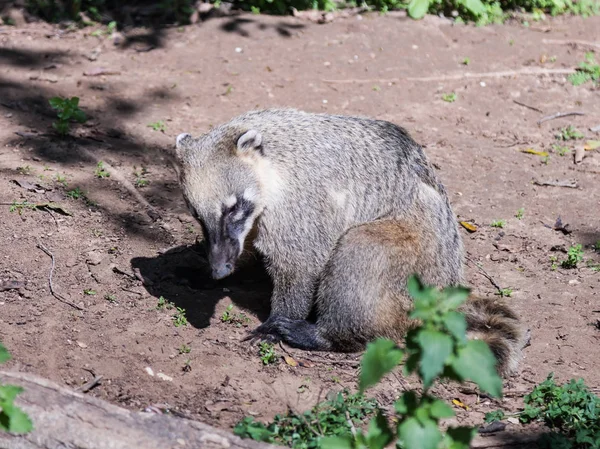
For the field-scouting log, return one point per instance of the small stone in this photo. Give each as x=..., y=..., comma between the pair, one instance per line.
x=149, y=371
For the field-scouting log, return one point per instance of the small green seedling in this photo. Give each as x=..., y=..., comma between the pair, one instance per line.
x=164, y=304
x=520, y=213
x=267, y=354
x=100, y=171
x=19, y=207
x=496, y=415
x=158, y=126
x=24, y=170
x=588, y=70
x=187, y=366
x=89, y=292
x=561, y=150
x=184, y=349
x=574, y=256
x=505, y=292
x=179, y=318
x=12, y=418
x=110, y=298
x=61, y=179
x=597, y=246
x=67, y=111
x=140, y=177
x=110, y=29
x=554, y=261
x=76, y=193
x=450, y=97
x=569, y=133
x=466, y=61
x=376, y=88
x=498, y=223
x=239, y=319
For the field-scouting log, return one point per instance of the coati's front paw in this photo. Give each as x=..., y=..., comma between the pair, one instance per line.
x=265, y=332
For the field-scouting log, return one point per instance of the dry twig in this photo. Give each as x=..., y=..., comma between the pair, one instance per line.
x=484, y=273
x=58, y=296
x=458, y=76
x=558, y=115
x=527, y=106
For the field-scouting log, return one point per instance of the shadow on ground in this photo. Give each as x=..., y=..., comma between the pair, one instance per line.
x=181, y=274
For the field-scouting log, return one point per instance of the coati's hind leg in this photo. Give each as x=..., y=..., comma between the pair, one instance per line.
x=362, y=290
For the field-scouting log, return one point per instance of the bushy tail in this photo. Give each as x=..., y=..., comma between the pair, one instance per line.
x=495, y=323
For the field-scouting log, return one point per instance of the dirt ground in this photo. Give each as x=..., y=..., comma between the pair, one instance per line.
x=190, y=78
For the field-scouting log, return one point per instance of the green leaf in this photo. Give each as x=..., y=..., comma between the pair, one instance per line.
x=496, y=415
x=4, y=354
x=343, y=442
x=79, y=116
x=418, y=8
x=8, y=393
x=13, y=419
x=381, y=357
x=460, y=437
x=56, y=102
x=455, y=296
x=379, y=434
x=476, y=362
x=436, y=347
x=415, y=436
x=457, y=325
x=439, y=410
x=475, y=7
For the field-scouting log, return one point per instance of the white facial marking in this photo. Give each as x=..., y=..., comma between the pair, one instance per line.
x=250, y=195
x=182, y=136
x=238, y=215
x=339, y=198
x=230, y=201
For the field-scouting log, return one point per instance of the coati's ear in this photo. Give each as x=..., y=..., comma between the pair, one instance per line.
x=182, y=144
x=249, y=141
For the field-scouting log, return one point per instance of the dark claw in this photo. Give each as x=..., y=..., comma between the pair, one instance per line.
x=264, y=332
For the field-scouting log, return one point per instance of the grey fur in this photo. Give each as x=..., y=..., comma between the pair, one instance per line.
x=345, y=209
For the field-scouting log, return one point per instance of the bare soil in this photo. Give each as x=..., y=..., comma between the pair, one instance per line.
x=190, y=78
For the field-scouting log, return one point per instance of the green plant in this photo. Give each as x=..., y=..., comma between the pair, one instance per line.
x=266, y=352
x=24, y=170
x=572, y=411
x=61, y=179
x=239, y=319
x=110, y=298
x=561, y=150
x=437, y=348
x=100, y=172
x=158, y=126
x=164, y=304
x=569, y=133
x=498, y=223
x=449, y=98
x=67, y=111
x=597, y=245
x=574, y=256
x=466, y=61
x=554, y=261
x=588, y=70
x=76, y=193
x=12, y=418
x=140, y=177
x=336, y=416
x=520, y=213
x=179, y=318
x=496, y=415
x=19, y=207
x=184, y=349
x=89, y=292
x=110, y=29
x=505, y=292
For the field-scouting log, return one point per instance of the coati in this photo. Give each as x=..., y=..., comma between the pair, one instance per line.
x=344, y=209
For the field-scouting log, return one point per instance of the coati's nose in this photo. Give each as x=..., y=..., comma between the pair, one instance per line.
x=222, y=270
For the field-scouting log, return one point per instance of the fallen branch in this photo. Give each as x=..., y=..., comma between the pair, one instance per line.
x=58, y=296
x=459, y=76
x=116, y=174
x=567, y=183
x=91, y=384
x=527, y=106
x=558, y=115
x=484, y=273
x=65, y=418
x=571, y=42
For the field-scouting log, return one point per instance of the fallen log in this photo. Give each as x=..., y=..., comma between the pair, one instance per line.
x=64, y=418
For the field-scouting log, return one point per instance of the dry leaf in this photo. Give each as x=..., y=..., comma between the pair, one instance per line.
x=591, y=145
x=460, y=404
x=37, y=188
x=290, y=361
x=468, y=226
x=53, y=207
x=536, y=152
